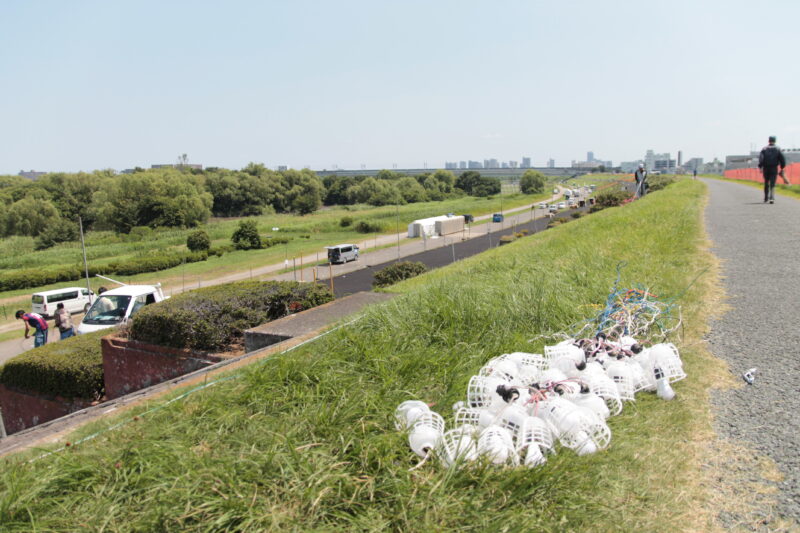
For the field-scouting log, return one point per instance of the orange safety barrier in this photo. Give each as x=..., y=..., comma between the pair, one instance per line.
x=754, y=174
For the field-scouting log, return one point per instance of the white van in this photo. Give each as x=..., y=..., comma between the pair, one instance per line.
x=342, y=253
x=116, y=306
x=75, y=300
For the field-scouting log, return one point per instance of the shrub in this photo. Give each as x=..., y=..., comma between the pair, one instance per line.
x=612, y=198
x=272, y=241
x=576, y=214
x=524, y=232
x=364, y=226
x=505, y=239
x=656, y=183
x=214, y=318
x=398, y=272
x=346, y=221
x=153, y=262
x=72, y=368
x=220, y=250
x=198, y=241
x=246, y=236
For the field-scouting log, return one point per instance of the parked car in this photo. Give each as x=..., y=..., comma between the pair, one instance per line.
x=553, y=208
x=562, y=205
x=342, y=253
x=75, y=300
x=117, y=306
x=542, y=205
x=498, y=217
x=468, y=219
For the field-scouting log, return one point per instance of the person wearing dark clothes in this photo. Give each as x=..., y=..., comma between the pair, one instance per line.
x=39, y=325
x=769, y=160
x=641, y=181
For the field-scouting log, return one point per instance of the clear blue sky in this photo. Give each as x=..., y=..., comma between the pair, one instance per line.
x=115, y=84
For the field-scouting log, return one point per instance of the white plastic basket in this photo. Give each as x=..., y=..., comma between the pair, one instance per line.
x=535, y=431
x=620, y=373
x=482, y=393
x=457, y=445
x=496, y=444
x=667, y=358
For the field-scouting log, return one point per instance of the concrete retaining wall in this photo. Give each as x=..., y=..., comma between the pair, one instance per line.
x=131, y=365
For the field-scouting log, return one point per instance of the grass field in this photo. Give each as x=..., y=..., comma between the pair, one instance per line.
x=309, y=234
x=305, y=441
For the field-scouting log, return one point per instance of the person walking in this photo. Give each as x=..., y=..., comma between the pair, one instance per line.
x=63, y=319
x=38, y=323
x=641, y=180
x=769, y=160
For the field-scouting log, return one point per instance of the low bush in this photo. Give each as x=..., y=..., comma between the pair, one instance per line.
x=398, y=272
x=155, y=261
x=198, y=241
x=346, y=221
x=612, y=198
x=246, y=236
x=656, y=183
x=72, y=368
x=364, y=226
x=576, y=214
x=505, y=239
x=272, y=241
x=214, y=318
x=220, y=250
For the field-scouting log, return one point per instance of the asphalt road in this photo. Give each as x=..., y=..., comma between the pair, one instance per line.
x=361, y=280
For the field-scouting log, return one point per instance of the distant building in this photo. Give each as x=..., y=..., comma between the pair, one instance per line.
x=450, y=165
x=462, y=164
x=31, y=174
x=551, y=163
x=589, y=157
x=526, y=162
x=282, y=167
x=513, y=164
x=694, y=163
x=629, y=166
x=504, y=165
x=475, y=164
x=660, y=162
x=680, y=158
x=174, y=165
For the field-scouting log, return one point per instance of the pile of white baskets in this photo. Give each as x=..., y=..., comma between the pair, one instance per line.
x=522, y=406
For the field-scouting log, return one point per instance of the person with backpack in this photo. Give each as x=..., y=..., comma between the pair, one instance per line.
x=769, y=160
x=64, y=322
x=38, y=323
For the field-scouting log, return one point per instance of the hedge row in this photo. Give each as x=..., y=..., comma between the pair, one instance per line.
x=398, y=272
x=37, y=277
x=214, y=318
x=72, y=368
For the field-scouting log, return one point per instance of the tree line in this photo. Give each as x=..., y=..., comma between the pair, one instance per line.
x=48, y=208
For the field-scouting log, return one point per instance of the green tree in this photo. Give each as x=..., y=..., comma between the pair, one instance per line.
x=411, y=190
x=532, y=182
x=246, y=236
x=472, y=183
x=303, y=191
x=30, y=216
x=446, y=179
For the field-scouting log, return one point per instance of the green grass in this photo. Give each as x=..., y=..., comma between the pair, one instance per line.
x=305, y=441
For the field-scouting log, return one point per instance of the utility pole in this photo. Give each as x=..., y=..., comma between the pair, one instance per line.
x=85, y=264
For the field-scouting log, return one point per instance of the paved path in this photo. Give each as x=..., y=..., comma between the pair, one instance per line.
x=759, y=245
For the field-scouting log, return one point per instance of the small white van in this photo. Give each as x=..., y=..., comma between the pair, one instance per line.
x=342, y=253
x=75, y=300
x=116, y=306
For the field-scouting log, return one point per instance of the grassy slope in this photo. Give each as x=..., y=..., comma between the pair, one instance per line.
x=305, y=441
